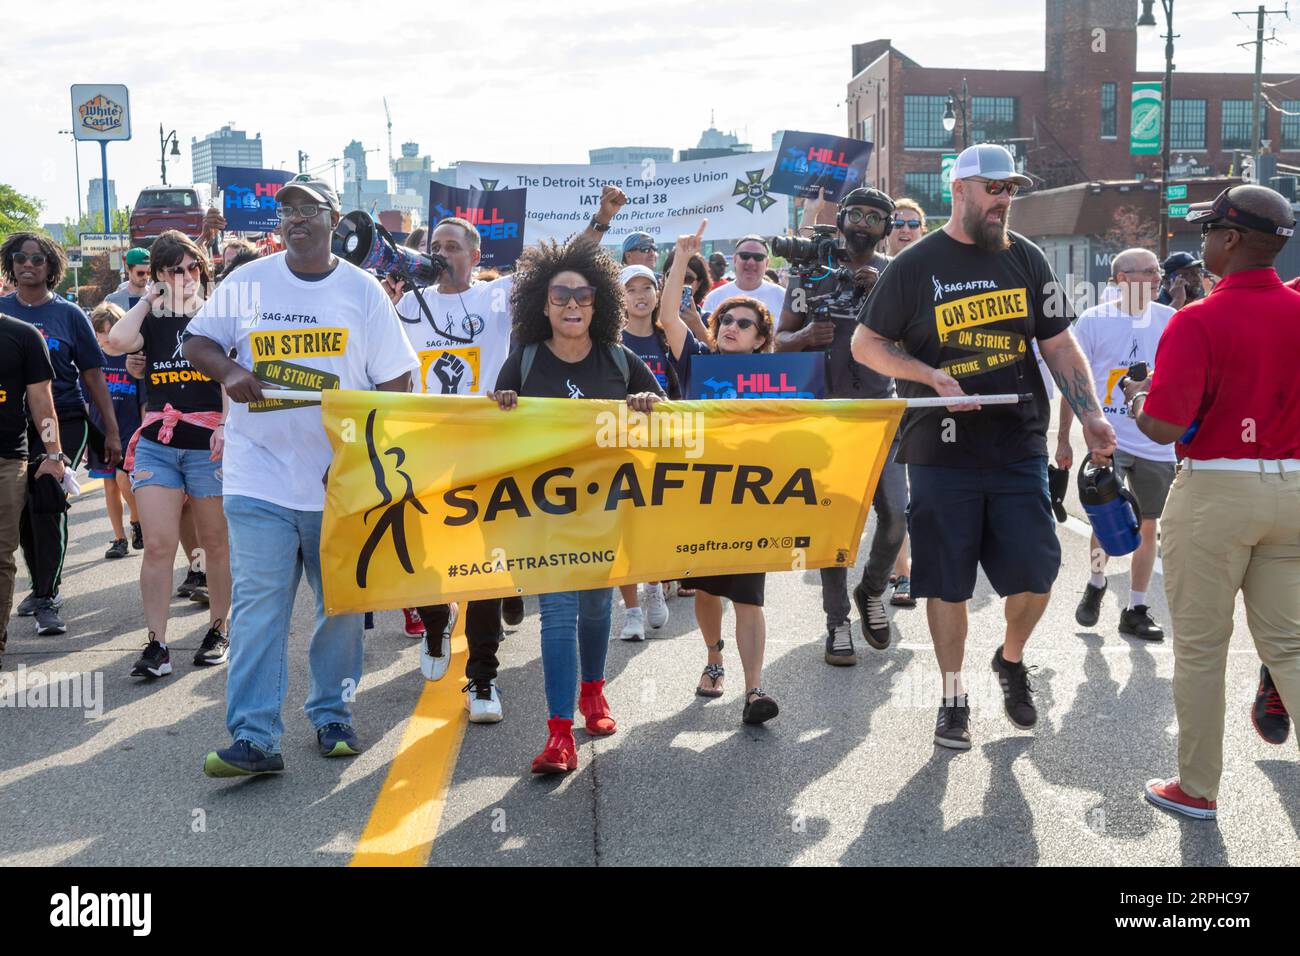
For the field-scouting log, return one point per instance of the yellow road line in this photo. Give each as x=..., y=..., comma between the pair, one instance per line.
x=406, y=814
x=90, y=486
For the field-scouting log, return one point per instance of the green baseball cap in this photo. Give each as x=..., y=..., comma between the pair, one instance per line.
x=137, y=257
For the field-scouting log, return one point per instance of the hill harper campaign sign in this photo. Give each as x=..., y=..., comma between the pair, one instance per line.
x=807, y=162
x=248, y=197
x=497, y=214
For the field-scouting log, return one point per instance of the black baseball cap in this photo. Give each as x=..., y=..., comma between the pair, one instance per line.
x=1179, y=260
x=1222, y=209
x=867, y=196
x=314, y=188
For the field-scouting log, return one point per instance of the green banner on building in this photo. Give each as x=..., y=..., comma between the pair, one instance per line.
x=1144, y=134
x=946, y=162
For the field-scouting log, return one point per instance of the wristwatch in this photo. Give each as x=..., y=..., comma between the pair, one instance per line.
x=46, y=456
x=598, y=225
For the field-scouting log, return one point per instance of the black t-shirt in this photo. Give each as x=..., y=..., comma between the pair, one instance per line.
x=843, y=298
x=172, y=380
x=596, y=376
x=70, y=340
x=24, y=360
x=971, y=312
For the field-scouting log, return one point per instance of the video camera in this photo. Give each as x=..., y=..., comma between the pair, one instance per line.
x=807, y=257
x=368, y=245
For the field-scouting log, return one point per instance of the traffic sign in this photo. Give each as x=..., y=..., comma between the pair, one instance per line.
x=98, y=243
x=1176, y=192
x=1177, y=210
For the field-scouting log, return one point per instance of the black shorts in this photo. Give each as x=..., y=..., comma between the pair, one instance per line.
x=1000, y=519
x=740, y=588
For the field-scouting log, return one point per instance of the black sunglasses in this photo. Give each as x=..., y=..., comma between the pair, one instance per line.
x=752, y=256
x=584, y=295
x=36, y=258
x=646, y=248
x=1209, y=227
x=741, y=324
x=996, y=187
x=909, y=223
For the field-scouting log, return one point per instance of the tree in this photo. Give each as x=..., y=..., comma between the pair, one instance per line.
x=17, y=212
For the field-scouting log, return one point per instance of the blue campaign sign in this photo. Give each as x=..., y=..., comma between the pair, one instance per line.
x=807, y=162
x=762, y=375
x=497, y=214
x=248, y=197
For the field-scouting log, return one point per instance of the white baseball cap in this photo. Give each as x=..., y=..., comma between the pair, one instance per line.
x=631, y=272
x=989, y=161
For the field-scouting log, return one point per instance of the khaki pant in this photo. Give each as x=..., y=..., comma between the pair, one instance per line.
x=1226, y=532
x=13, y=494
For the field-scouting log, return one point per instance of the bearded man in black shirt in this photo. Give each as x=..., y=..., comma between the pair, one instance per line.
x=953, y=315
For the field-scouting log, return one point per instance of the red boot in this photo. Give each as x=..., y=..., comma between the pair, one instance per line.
x=560, y=755
x=592, y=704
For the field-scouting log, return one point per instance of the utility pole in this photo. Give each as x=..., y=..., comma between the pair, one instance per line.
x=392, y=166
x=1258, y=43
x=302, y=161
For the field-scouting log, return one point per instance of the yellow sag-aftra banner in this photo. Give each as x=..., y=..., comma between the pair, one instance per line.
x=434, y=498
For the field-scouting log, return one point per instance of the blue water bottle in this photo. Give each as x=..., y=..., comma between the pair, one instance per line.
x=1113, y=509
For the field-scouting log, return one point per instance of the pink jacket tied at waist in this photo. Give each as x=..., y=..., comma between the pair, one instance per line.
x=169, y=416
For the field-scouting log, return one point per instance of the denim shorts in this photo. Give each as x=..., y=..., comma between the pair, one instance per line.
x=188, y=469
x=998, y=519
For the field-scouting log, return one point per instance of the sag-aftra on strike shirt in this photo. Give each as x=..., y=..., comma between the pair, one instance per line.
x=973, y=314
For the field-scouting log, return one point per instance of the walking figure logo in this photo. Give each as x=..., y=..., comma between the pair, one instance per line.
x=754, y=188
x=394, y=516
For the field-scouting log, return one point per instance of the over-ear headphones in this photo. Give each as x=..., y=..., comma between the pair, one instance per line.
x=867, y=196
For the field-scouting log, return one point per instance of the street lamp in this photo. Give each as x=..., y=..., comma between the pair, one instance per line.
x=162, y=149
x=77, y=157
x=950, y=117
x=1147, y=19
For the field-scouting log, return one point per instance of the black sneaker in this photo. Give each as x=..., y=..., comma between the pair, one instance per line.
x=1089, y=609
x=137, y=537
x=199, y=593
x=839, y=646
x=337, y=740
x=952, y=728
x=1017, y=694
x=156, y=661
x=875, y=621
x=48, y=620
x=214, y=650
x=512, y=610
x=187, y=586
x=1269, y=715
x=118, y=549
x=241, y=759
x=1138, y=622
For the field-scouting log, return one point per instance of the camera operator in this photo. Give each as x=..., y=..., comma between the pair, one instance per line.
x=460, y=329
x=820, y=313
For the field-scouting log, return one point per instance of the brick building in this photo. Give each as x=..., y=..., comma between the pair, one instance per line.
x=1070, y=121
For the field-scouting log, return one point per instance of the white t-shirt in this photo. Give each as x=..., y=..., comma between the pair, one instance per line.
x=480, y=314
x=1112, y=341
x=337, y=332
x=769, y=293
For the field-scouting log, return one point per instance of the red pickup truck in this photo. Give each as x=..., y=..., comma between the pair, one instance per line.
x=160, y=208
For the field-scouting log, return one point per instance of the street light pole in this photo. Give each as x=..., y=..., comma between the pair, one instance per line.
x=76, y=157
x=162, y=149
x=1167, y=105
x=950, y=120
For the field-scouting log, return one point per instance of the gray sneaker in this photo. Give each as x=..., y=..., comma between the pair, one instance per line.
x=28, y=606
x=48, y=620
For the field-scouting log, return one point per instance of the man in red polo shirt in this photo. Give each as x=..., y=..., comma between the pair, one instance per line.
x=1226, y=389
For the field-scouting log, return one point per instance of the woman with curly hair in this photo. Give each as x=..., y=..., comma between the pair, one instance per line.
x=176, y=452
x=741, y=325
x=568, y=317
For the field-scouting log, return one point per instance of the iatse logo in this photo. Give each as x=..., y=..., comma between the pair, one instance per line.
x=76, y=909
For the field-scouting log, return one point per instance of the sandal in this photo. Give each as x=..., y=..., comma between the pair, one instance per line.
x=902, y=596
x=760, y=708
x=714, y=672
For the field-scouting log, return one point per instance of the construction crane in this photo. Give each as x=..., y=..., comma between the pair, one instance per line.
x=392, y=167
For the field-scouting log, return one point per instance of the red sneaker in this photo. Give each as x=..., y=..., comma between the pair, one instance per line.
x=560, y=755
x=414, y=626
x=592, y=704
x=1169, y=795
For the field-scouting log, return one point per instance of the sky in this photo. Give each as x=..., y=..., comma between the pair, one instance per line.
x=502, y=81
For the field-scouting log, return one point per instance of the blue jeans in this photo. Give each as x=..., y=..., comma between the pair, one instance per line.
x=574, y=624
x=270, y=547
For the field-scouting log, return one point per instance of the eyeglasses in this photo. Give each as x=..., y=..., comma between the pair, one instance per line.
x=36, y=258
x=176, y=271
x=855, y=216
x=307, y=210
x=752, y=256
x=741, y=324
x=1209, y=227
x=584, y=295
x=909, y=223
x=1154, y=270
x=996, y=187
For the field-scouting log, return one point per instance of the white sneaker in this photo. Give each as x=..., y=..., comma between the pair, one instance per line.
x=633, y=625
x=435, y=668
x=483, y=703
x=656, y=608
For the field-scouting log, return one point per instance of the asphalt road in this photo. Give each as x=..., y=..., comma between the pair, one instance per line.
x=847, y=774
